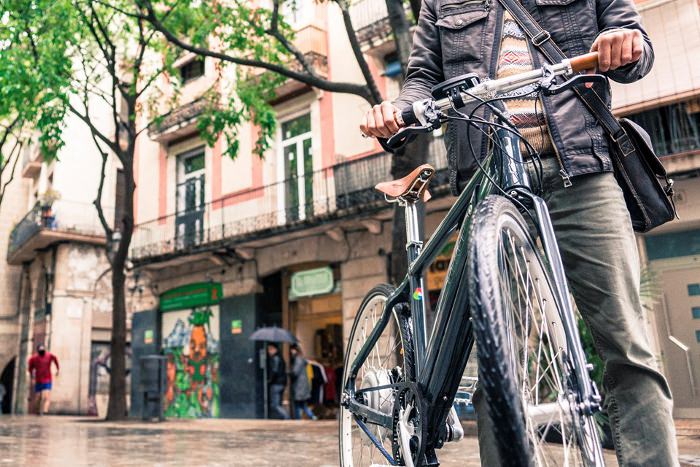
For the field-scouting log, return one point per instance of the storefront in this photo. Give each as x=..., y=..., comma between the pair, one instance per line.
x=190, y=343
x=314, y=315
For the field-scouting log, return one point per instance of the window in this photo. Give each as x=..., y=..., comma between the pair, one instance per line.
x=192, y=70
x=189, y=196
x=696, y=312
x=693, y=289
x=673, y=128
x=194, y=163
x=297, y=157
x=673, y=245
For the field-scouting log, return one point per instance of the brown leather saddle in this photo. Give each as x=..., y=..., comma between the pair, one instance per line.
x=411, y=188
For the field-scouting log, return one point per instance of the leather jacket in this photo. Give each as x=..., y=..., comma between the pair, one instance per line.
x=454, y=37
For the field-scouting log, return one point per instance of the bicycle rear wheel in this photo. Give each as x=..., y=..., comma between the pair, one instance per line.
x=524, y=369
x=389, y=361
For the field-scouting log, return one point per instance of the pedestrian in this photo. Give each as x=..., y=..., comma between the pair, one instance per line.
x=40, y=371
x=301, y=386
x=276, y=380
x=587, y=207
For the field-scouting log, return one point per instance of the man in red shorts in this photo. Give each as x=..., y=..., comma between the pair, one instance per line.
x=40, y=370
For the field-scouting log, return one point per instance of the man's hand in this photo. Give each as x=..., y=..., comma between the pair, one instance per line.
x=618, y=47
x=380, y=121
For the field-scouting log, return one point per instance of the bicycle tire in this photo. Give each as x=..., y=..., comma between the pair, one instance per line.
x=358, y=334
x=505, y=344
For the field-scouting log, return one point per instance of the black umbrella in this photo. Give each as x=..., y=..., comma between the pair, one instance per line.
x=273, y=334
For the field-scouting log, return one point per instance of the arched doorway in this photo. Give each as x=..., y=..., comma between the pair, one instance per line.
x=7, y=380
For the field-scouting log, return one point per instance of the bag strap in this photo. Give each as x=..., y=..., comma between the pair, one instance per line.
x=541, y=39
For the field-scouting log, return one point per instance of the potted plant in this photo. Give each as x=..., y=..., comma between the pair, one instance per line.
x=46, y=201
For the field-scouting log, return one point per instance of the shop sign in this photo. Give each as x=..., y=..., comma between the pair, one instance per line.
x=317, y=281
x=236, y=326
x=191, y=295
x=437, y=271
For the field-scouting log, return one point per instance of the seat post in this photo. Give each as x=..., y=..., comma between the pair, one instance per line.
x=414, y=242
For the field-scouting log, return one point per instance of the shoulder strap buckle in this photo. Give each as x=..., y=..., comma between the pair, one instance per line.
x=623, y=142
x=540, y=38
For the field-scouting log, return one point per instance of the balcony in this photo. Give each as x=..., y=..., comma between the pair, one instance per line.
x=312, y=42
x=371, y=22
x=64, y=221
x=340, y=191
x=31, y=162
x=177, y=122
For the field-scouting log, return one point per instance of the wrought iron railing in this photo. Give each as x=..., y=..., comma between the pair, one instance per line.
x=333, y=192
x=370, y=19
x=61, y=216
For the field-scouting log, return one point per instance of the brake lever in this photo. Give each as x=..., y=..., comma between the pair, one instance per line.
x=404, y=136
x=549, y=88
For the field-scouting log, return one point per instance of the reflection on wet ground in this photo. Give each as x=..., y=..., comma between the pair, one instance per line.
x=70, y=441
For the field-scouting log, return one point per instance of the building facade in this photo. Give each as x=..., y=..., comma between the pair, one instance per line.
x=57, y=273
x=224, y=246
x=667, y=104
x=297, y=238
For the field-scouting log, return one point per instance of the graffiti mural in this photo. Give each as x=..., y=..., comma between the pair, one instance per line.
x=191, y=346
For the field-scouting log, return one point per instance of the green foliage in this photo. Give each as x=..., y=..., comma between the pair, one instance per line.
x=53, y=50
x=34, y=68
x=241, y=29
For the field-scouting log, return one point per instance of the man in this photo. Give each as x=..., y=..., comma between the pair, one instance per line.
x=40, y=370
x=590, y=218
x=300, y=385
x=276, y=380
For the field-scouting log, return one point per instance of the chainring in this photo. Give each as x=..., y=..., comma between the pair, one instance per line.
x=408, y=397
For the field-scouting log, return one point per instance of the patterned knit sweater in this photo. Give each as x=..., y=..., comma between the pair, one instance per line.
x=526, y=111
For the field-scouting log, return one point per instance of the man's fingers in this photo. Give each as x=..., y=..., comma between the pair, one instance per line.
x=626, y=50
x=371, y=126
x=637, y=46
x=363, y=126
x=615, y=50
x=603, y=54
x=389, y=114
x=381, y=128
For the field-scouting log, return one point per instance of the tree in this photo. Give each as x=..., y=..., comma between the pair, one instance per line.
x=32, y=81
x=236, y=27
x=118, y=79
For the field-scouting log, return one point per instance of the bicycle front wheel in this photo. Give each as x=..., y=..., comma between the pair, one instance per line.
x=524, y=370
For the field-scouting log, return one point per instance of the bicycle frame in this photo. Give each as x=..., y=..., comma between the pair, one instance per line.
x=440, y=358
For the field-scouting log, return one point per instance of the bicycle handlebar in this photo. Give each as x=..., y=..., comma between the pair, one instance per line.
x=584, y=62
x=416, y=114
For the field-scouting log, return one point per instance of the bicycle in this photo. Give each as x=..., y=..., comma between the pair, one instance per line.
x=503, y=289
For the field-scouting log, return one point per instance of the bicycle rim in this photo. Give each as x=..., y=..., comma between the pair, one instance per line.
x=384, y=365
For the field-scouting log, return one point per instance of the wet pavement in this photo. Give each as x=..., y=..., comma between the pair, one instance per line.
x=70, y=441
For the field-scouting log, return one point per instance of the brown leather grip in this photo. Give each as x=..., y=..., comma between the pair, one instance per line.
x=584, y=62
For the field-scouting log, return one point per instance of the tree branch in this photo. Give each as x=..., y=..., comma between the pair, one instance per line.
x=415, y=8
x=110, y=144
x=376, y=96
x=323, y=84
x=274, y=32
x=14, y=167
x=98, y=199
